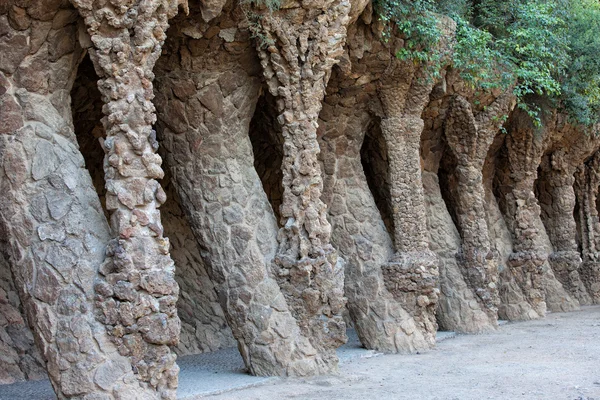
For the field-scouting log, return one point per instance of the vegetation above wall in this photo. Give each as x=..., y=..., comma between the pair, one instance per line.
x=548, y=48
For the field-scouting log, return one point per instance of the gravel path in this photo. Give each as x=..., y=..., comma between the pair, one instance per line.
x=551, y=359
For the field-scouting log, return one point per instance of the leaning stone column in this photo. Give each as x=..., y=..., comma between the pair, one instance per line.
x=412, y=273
x=525, y=146
x=525, y=149
x=206, y=95
x=587, y=181
x=358, y=229
x=360, y=235
x=137, y=293
x=302, y=44
x=558, y=176
x=50, y=215
x=469, y=138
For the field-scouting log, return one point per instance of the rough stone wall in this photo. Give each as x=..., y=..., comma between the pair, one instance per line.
x=301, y=45
x=412, y=274
x=138, y=292
x=516, y=171
x=587, y=181
x=53, y=223
x=20, y=357
x=488, y=222
x=570, y=147
x=358, y=232
x=513, y=303
x=469, y=137
x=277, y=161
x=459, y=308
x=203, y=323
x=207, y=92
x=379, y=293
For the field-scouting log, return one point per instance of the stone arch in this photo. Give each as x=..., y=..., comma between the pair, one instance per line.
x=586, y=190
x=454, y=187
x=448, y=180
x=578, y=227
x=86, y=109
x=556, y=193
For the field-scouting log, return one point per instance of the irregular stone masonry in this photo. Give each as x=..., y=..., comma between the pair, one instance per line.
x=56, y=232
x=412, y=274
x=432, y=210
x=137, y=293
x=557, y=199
x=522, y=153
x=513, y=302
x=587, y=182
x=228, y=211
x=203, y=326
x=20, y=357
x=301, y=46
x=469, y=137
x=459, y=308
x=358, y=231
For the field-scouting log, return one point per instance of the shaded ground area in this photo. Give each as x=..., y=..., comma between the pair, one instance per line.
x=200, y=375
x=551, y=359
x=555, y=358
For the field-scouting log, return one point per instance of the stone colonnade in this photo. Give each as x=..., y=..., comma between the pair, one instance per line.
x=363, y=223
x=587, y=183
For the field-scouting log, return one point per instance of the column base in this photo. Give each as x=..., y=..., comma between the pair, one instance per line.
x=413, y=279
x=527, y=269
x=565, y=265
x=314, y=290
x=479, y=267
x=590, y=274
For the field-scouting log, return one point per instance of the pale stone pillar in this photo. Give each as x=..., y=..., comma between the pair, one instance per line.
x=299, y=47
x=411, y=275
x=558, y=170
x=137, y=292
x=525, y=145
x=55, y=231
x=206, y=95
x=358, y=230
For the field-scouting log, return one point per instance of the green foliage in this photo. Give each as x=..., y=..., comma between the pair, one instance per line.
x=544, y=48
x=480, y=63
x=581, y=85
x=418, y=26
x=530, y=36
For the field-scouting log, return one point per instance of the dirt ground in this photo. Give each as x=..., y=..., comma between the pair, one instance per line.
x=554, y=358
